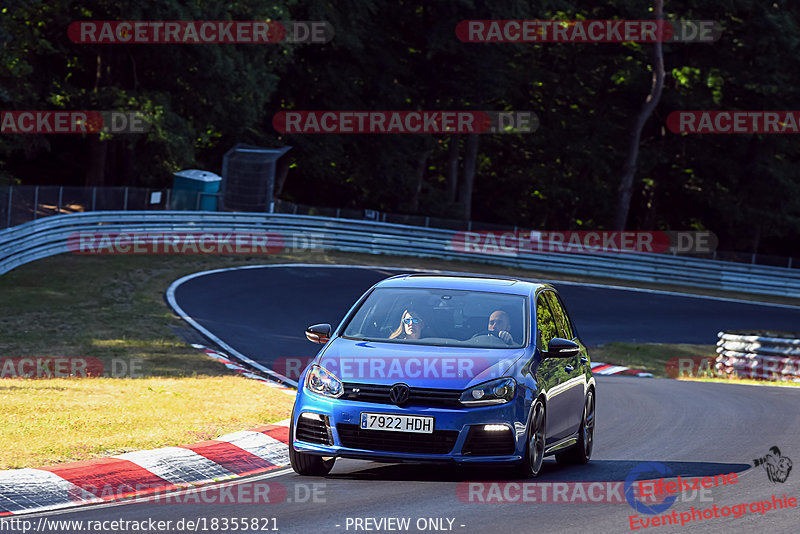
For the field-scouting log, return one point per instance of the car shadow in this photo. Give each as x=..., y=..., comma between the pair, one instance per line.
x=594, y=471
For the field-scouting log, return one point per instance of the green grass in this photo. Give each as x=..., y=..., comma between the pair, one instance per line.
x=650, y=357
x=745, y=381
x=113, y=308
x=654, y=358
x=100, y=307
x=63, y=419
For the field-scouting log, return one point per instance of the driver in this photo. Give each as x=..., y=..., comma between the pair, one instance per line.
x=499, y=326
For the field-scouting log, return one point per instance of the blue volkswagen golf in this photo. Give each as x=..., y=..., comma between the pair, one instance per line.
x=447, y=369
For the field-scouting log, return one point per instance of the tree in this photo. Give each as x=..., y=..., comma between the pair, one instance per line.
x=629, y=169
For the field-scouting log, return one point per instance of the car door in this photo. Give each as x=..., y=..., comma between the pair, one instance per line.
x=551, y=374
x=575, y=383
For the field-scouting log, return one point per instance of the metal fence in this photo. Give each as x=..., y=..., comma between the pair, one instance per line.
x=49, y=236
x=21, y=204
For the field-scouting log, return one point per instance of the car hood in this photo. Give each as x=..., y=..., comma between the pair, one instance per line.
x=368, y=362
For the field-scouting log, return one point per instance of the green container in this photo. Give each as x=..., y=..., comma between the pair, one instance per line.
x=187, y=186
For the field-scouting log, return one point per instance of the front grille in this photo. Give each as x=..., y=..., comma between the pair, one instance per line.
x=417, y=396
x=313, y=431
x=480, y=442
x=439, y=442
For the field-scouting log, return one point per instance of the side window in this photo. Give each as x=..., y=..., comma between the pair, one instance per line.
x=545, y=325
x=560, y=314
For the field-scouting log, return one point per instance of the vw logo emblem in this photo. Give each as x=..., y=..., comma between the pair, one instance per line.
x=398, y=393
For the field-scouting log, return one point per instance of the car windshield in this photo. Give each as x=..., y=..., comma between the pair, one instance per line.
x=441, y=317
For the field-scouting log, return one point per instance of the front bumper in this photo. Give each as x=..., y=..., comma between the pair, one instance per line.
x=337, y=423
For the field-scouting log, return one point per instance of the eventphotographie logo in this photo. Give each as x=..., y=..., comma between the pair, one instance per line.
x=637, y=474
x=776, y=465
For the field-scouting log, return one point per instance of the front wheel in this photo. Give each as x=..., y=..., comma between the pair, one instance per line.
x=534, y=448
x=307, y=464
x=582, y=451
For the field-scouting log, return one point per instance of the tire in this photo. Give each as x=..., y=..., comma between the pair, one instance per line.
x=535, y=442
x=307, y=464
x=582, y=451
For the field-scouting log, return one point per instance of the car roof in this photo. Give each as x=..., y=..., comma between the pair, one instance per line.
x=471, y=282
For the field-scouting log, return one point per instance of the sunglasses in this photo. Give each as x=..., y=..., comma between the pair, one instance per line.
x=409, y=320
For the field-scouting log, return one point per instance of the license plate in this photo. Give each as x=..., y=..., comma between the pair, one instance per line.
x=397, y=423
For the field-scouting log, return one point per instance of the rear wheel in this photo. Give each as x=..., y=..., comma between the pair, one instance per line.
x=534, y=448
x=307, y=464
x=582, y=451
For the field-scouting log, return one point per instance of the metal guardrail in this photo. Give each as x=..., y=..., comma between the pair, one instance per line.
x=47, y=237
x=21, y=204
x=760, y=357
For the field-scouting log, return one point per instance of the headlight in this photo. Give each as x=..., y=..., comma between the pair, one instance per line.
x=497, y=391
x=323, y=382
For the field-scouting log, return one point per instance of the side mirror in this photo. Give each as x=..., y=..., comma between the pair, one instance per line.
x=319, y=333
x=562, y=348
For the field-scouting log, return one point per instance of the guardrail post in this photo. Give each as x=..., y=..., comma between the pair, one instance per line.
x=790, y=262
x=338, y=211
x=753, y=259
x=10, y=194
x=60, y=197
x=35, y=202
x=166, y=202
x=125, y=202
x=94, y=198
x=197, y=200
x=427, y=221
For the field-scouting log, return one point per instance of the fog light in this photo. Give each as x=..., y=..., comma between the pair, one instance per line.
x=309, y=415
x=494, y=428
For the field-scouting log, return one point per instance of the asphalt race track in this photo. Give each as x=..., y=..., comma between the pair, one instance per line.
x=694, y=429
x=263, y=312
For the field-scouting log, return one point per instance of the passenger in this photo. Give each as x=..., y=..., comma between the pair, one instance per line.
x=411, y=326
